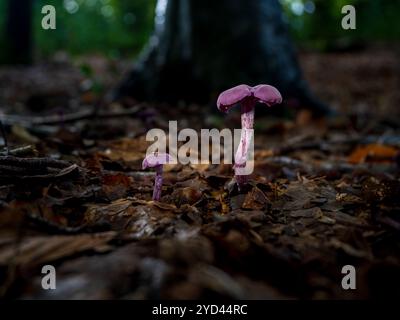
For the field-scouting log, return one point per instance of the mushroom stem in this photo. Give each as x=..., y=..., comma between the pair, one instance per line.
x=247, y=110
x=247, y=116
x=158, y=183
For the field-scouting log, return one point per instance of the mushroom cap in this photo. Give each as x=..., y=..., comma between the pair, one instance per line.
x=267, y=94
x=263, y=93
x=155, y=159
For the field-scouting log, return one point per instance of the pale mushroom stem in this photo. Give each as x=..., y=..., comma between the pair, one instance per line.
x=158, y=183
x=247, y=116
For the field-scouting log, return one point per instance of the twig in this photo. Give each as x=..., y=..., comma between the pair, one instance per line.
x=19, y=151
x=68, y=118
x=299, y=146
x=389, y=222
x=38, y=168
x=3, y=132
x=324, y=145
x=33, y=163
x=53, y=228
x=312, y=168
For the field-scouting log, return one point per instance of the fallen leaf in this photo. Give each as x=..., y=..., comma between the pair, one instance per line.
x=116, y=186
x=36, y=250
x=372, y=153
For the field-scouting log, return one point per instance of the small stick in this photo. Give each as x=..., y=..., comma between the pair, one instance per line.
x=68, y=118
x=19, y=151
x=33, y=162
x=3, y=132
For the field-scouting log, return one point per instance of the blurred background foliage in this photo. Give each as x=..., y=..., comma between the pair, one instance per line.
x=316, y=24
x=120, y=28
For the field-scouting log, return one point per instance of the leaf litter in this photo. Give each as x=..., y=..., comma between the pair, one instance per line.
x=323, y=194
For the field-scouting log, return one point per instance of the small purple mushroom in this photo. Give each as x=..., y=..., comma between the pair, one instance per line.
x=156, y=160
x=248, y=97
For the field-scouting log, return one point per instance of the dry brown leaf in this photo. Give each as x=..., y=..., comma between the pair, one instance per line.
x=116, y=186
x=372, y=153
x=36, y=250
x=127, y=150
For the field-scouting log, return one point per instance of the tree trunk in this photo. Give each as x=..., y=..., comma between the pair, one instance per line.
x=202, y=47
x=19, y=32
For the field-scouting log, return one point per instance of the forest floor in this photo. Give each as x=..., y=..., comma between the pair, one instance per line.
x=324, y=193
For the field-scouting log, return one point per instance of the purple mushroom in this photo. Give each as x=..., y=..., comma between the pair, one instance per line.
x=248, y=97
x=156, y=160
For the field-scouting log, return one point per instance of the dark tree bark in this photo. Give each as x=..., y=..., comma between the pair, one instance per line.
x=201, y=47
x=19, y=32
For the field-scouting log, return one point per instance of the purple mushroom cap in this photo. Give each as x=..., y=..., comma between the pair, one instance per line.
x=155, y=159
x=263, y=93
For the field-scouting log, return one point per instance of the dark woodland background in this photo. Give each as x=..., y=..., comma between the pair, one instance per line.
x=126, y=25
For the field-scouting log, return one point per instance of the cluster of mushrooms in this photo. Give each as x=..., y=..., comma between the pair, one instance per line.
x=248, y=97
